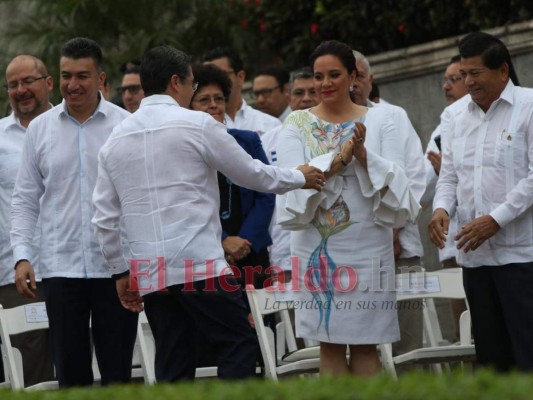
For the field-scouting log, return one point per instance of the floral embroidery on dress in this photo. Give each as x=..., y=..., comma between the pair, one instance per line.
x=328, y=223
x=322, y=137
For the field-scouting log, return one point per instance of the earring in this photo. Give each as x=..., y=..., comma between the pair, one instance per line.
x=351, y=88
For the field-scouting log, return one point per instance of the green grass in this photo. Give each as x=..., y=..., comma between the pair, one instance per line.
x=483, y=385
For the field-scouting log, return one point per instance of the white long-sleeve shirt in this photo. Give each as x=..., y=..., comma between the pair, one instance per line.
x=250, y=119
x=487, y=168
x=158, y=172
x=413, y=157
x=280, y=251
x=55, y=181
x=449, y=251
x=12, y=135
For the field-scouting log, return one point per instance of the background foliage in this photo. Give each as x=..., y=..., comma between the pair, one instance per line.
x=263, y=31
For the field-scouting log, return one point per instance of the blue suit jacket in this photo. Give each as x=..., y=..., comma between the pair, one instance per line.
x=256, y=207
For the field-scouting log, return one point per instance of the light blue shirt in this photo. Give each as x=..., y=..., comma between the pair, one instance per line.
x=56, y=181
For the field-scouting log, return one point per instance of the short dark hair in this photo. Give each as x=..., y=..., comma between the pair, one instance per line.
x=128, y=64
x=455, y=59
x=491, y=49
x=133, y=70
x=280, y=74
x=82, y=47
x=208, y=74
x=335, y=48
x=159, y=64
x=235, y=61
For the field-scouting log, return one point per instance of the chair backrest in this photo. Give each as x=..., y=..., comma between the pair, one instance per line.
x=442, y=284
x=267, y=302
x=13, y=321
x=263, y=302
x=446, y=284
x=146, y=346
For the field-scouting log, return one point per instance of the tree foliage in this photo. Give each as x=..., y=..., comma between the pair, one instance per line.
x=263, y=31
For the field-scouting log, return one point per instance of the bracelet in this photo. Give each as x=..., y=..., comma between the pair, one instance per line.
x=342, y=159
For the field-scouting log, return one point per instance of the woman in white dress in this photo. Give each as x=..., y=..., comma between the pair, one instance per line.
x=343, y=235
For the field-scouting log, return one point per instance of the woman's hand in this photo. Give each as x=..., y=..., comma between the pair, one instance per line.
x=358, y=140
x=347, y=150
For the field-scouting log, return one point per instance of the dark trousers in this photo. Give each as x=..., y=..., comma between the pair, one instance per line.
x=178, y=315
x=70, y=304
x=251, y=271
x=35, y=345
x=501, y=306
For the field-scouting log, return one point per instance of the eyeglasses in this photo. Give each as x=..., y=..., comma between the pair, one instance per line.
x=265, y=92
x=133, y=89
x=452, y=80
x=206, y=100
x=13, y=85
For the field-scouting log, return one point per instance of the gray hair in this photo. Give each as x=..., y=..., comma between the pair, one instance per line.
x=361, y=57
x=302, y=73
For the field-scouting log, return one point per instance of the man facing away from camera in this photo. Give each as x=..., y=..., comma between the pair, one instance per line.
x=158, y=173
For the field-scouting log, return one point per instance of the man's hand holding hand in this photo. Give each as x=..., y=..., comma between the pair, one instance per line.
x=314, y=178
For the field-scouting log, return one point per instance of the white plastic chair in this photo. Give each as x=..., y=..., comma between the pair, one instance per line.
x=25, y=318
x=445, y=284
x=263, y=302
x=146, y=350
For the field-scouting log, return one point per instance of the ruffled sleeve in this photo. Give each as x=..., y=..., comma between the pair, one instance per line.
x=385, y=182
x=296, y=209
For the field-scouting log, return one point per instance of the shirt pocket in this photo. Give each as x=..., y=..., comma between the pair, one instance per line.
x=458, y=152
x=511, y=150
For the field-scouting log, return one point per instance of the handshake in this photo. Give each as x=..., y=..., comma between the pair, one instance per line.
x=314, y=178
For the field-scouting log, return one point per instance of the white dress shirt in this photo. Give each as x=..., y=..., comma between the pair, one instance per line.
x=12, y=135
x=56, y=181
x=280, y=251
x=449, y=251
x=285, y=114
x=488, y=169
x=250, y=119
x=158, y=170
x=413, y=155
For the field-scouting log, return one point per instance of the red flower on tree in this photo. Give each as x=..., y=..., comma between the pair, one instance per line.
x=244, y=23
x=401, y=28
x=314, y=29
x=263, y=26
